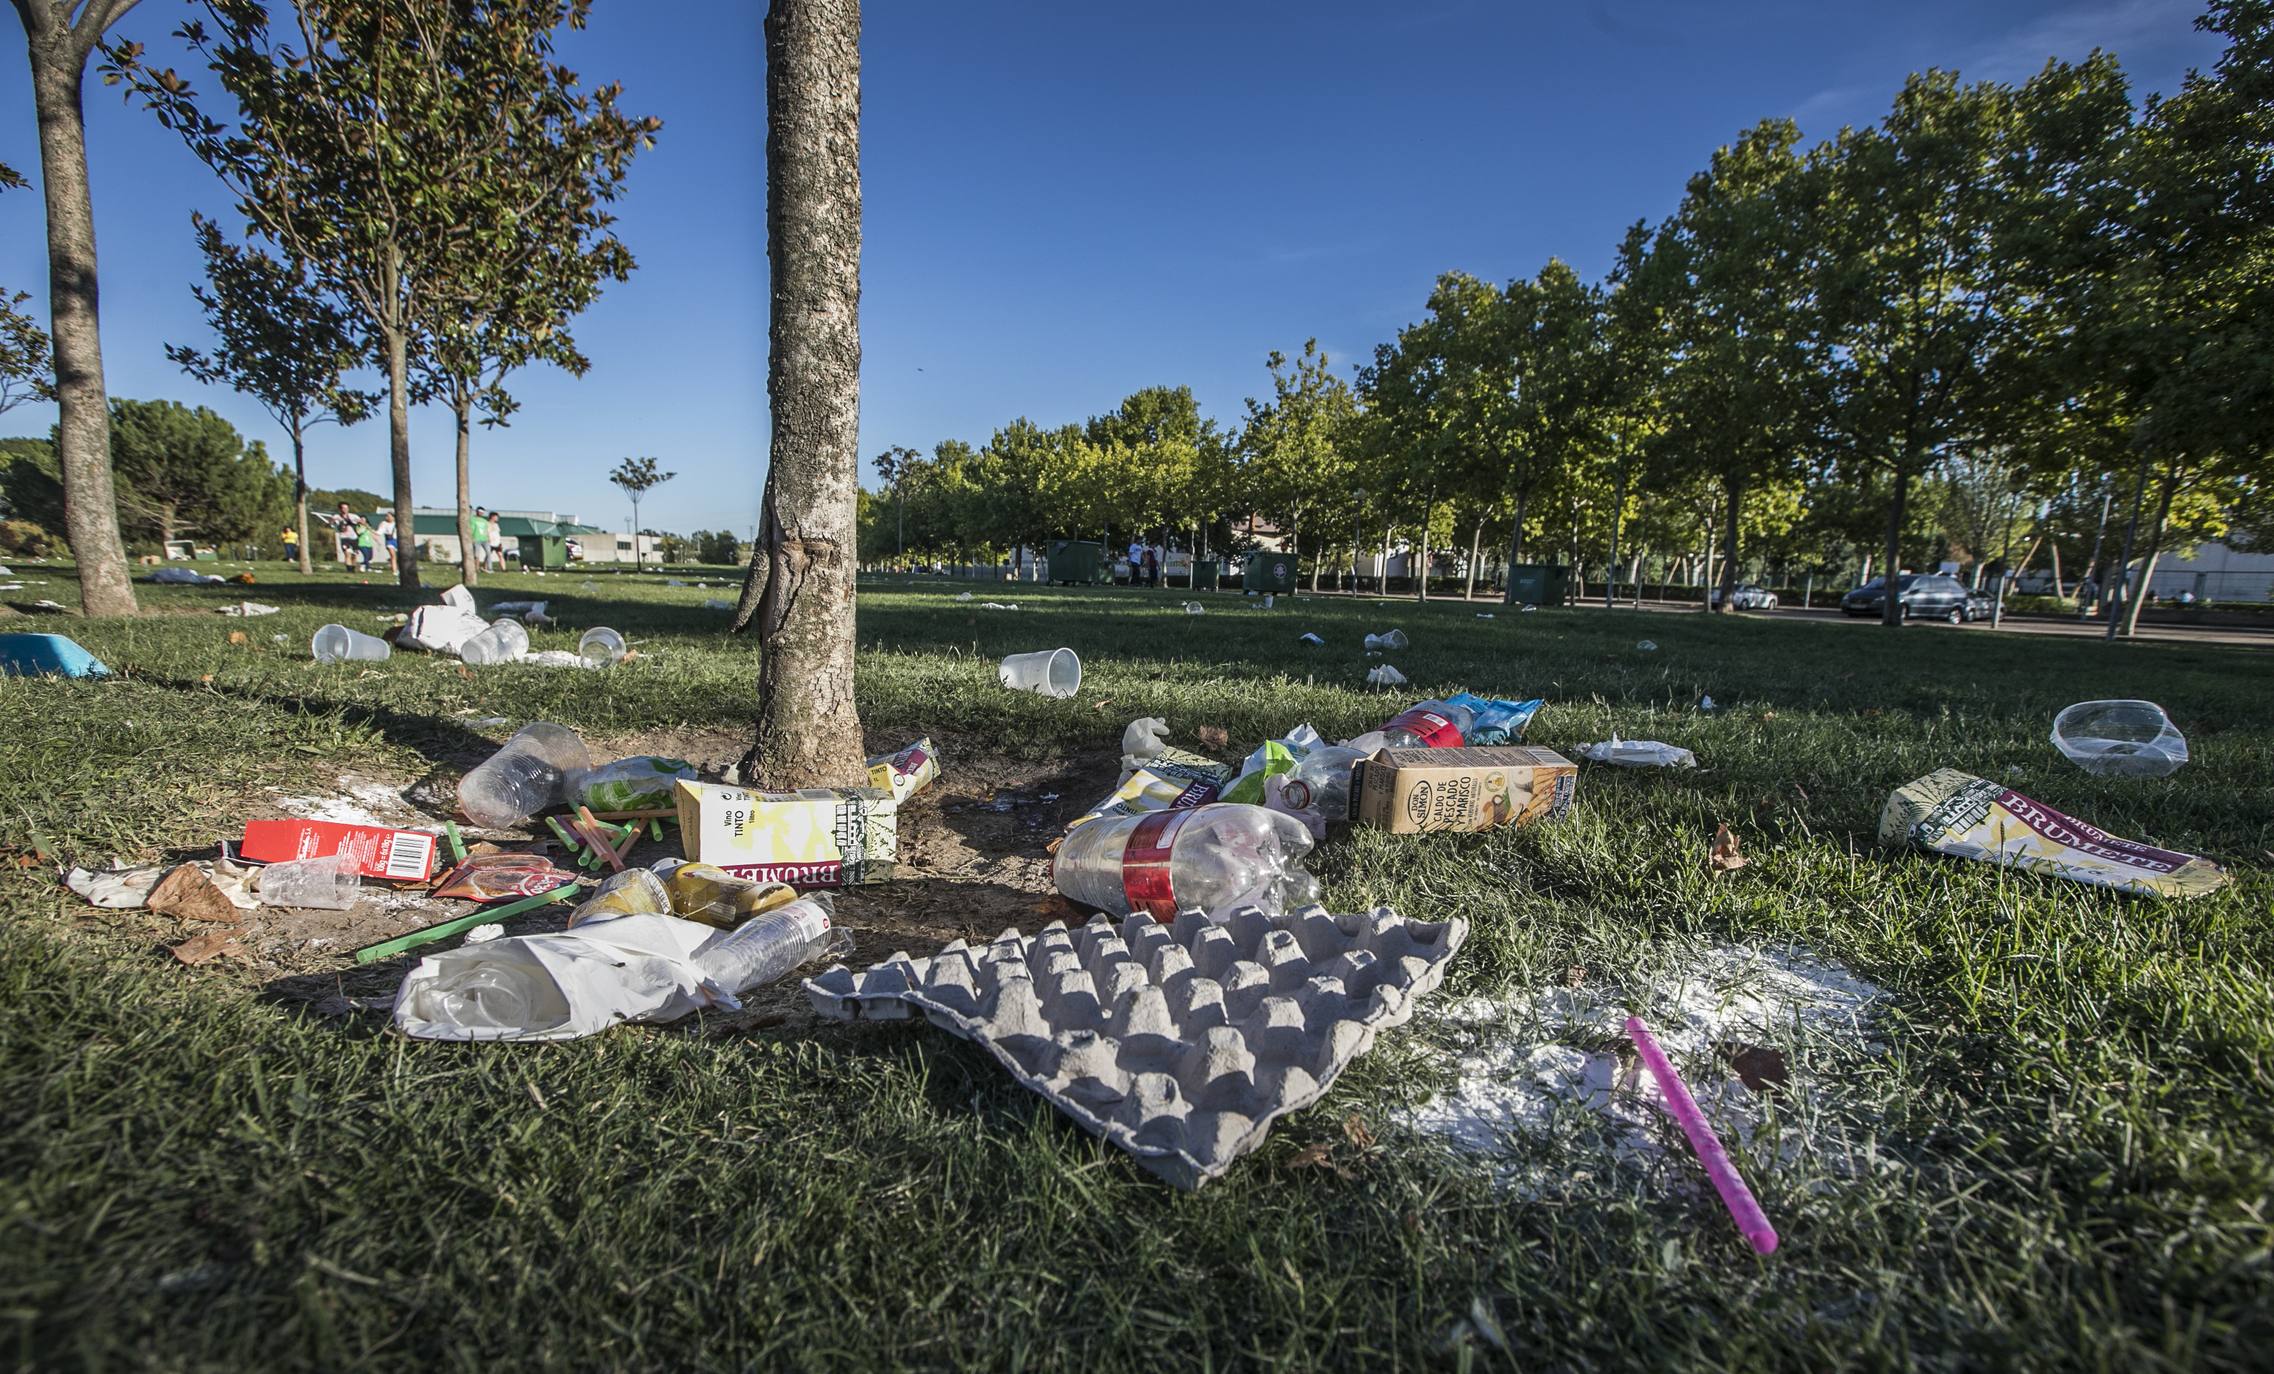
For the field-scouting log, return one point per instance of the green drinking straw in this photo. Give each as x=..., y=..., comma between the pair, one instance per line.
x=443, y=930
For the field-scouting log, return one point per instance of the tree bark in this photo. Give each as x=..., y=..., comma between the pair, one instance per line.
x=83, y=427
x=2133, y=604
x=1421, y=579
x=1729, y=550
x=1891, y=609
x=300, y=493
x=399, y=454
x=808, y=729
x=1476, y=550
x=469, y=567
x=1618, y=518
x=2122, y=591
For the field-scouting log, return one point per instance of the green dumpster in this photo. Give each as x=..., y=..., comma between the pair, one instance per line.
x=1204, y=574
x=1263, y=571
x=1079, y=562
x=1539, y=584
x=549, y=551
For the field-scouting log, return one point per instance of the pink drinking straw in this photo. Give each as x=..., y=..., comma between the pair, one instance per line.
x=1743, y=1208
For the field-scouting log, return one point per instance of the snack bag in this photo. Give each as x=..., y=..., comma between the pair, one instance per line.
x=1950, y=812
x=1170, y=780
x=907, y=772
x=489, y=877
x=1498, y=722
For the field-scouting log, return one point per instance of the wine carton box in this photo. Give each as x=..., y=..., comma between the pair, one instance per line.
x=808, y=838
x=1405, y=791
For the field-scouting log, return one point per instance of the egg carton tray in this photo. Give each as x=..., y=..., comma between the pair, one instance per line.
x=1180, y=1042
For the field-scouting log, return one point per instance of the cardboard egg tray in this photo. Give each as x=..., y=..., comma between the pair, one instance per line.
x=1182, y=1042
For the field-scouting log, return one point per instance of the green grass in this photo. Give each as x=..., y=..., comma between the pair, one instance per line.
x=2070, y=1094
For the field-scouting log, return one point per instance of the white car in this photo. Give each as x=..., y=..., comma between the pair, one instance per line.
x=1747, y=597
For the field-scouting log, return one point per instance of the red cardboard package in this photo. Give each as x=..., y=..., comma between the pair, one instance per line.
x=401, y=856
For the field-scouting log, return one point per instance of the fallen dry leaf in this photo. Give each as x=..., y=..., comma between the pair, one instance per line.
x=1354, y=1127
x=1575, y=975
x=1212, y=736
x=1319, y=1154
x=238, y=637
x=188, y=893
x=1101, y=703
x=214, y=944
x=1725, y=857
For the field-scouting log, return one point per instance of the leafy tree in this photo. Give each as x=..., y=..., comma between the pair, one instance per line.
x=186, y=472
x=279, y=342
x=1746, y=378
x=1300, y=447
x=803, y=568
x=897, y=466
x=637, y=476
x=61, y=35
x=419, y=156
x=717, y=546
x=1930, y=261
x=1637, y=358
x=26, y=353
x=31, y=482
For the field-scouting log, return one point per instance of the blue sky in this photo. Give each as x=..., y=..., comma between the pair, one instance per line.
x=1067, y=202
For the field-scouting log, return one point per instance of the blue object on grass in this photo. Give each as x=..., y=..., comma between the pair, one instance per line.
x=1497, y=722
x=42, y=655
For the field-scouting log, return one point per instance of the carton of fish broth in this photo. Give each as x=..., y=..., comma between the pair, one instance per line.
x=809, y=838
x=1950, y=812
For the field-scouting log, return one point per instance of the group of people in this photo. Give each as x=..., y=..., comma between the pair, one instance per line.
x=359, y=543
x=1144, y=564
x=489, y=545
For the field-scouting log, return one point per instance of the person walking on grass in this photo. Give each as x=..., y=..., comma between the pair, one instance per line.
x=366, y=546
x=497, y=544
x=387, y=540
x=481, y=523
x=291, y=545
x=343, y=536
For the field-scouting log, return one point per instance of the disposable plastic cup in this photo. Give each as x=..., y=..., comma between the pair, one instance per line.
x=339, y=644
x=2125, y=739
x=502, y=642
x=1052, y=672
x=600, y=647
x=328, y=883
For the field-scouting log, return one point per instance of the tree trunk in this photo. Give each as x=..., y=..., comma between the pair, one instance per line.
x=2092, y=560
x=1729, y=549
x=2058, y=593
x=399, y=454
x=1384, y=579
x=1891, y=609
x=300, y=493
x=2119, y=599
x=1421, y=580
x=1515, y=553
x=469, y=567
x=1476, y=547
x=169, y=522
x=83, y=425
x=1618, y=518
x=808, y=729
x=2155, y=547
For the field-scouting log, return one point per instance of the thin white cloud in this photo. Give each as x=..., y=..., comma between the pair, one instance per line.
x=2072, y=34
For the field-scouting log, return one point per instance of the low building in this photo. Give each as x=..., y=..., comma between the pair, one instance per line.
x=536, y=539
x=2214, y=572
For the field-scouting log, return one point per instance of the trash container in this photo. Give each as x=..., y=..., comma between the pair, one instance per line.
x=1539, y=584
x=543, y=550
x=1204, y=574
x=1263, y=571
x=1078, y=562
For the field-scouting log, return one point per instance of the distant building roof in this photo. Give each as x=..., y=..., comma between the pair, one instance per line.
x=513, y=525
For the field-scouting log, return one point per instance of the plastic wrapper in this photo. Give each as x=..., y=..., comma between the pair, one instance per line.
x=1270, y=759
x=633, y=892
x=1638, y=753
x=906, y=772
x=1168, y=781
x=1497, y=722
x=493, y=877
x=643, y=782
x=1950, y=812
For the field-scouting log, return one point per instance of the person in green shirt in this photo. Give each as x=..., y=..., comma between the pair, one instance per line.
x=481, y=539
x=364, y=543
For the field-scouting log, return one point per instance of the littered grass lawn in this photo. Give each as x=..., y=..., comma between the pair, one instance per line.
x=2065, y=1097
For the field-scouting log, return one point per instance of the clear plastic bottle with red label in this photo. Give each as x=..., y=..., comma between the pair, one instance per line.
x=1215, y=859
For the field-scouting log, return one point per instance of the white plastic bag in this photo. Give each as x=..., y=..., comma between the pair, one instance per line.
x=1638, y=753
x=559, y=986
x=1385, y=676
x=440, y=629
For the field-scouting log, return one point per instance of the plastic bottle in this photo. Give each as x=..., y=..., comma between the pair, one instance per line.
x=765, y=947
x=1321, y=780
x=1429, y=725
x=1208, y=858
x=633, y=892
x=538, y=768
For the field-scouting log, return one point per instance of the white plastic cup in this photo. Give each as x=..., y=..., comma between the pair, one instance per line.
x=339, y=644
x=600, y=647
x=1052, y=672
x=502, y=642
x=1267, y=601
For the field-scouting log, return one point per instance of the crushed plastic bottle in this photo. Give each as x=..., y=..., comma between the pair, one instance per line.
x=540, y=767
x=769, y=945
x=1321, y=780
x=1386, y=641
x=1429, y=725
x=1214, y=859
x=2120, y=739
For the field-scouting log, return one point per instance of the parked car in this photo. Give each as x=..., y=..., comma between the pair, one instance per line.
x=1919, y=594
x=1747, y=597
x=1981, y=605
